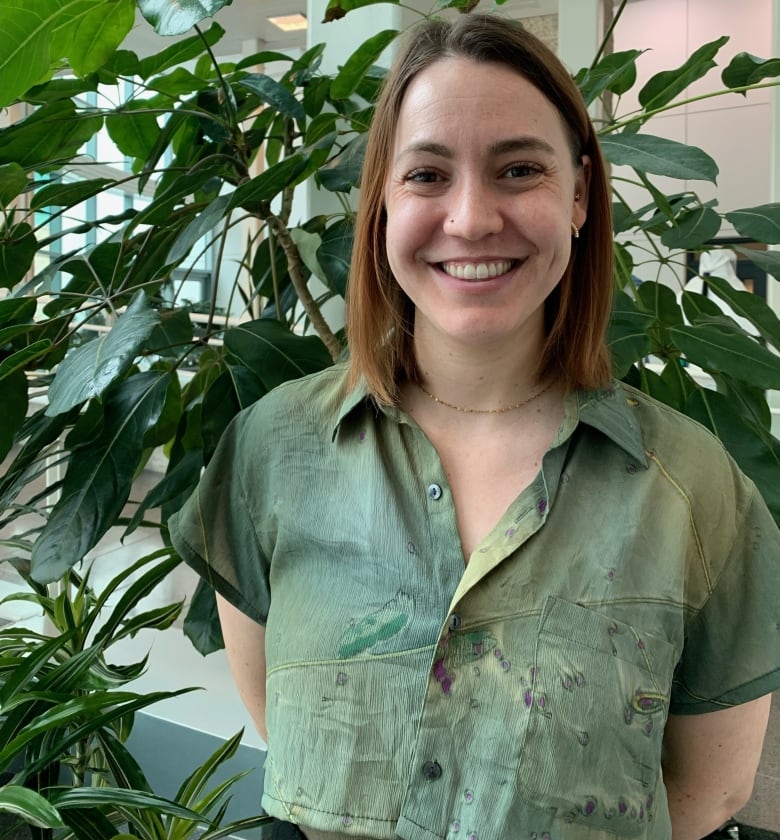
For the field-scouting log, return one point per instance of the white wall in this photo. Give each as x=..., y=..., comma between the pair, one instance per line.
x=735, y=130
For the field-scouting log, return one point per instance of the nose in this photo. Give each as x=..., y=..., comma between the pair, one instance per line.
x=473, y=211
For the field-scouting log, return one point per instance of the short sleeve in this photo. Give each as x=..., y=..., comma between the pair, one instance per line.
x=215, y=532
x=731, y=651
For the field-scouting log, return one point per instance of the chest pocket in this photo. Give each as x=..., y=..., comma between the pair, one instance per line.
x=597, y=701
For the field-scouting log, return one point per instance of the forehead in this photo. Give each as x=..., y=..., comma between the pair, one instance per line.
x=457, y=97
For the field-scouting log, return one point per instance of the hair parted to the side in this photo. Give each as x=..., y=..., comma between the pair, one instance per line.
x=380, y=317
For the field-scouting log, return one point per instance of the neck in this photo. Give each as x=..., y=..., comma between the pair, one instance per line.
x=482, y=378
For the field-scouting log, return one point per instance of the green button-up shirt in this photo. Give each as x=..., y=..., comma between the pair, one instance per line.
x=521, y=695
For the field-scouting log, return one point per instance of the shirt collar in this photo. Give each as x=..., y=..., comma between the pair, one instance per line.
x=610, y=411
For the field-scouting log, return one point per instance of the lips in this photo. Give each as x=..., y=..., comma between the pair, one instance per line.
x=476, y=270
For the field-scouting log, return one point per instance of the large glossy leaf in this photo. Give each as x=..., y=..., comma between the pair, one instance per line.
x=755, y=452
x=761, y=222
x=18, y=247
x=342, y=172
x=98, y=481
x=24, y=358
x=51, y=134
x=749, y=306
x=768, y=261
x=201, y=626
x=745, y=69
x=13, y=180
x=270, y=92
x=89, y=38
x=14, y=390
x=273, y=353
x=624, y=265
x=69, y=194
x=335, y=253
x=88, y=370
x=187, y=49
x=358, y=64
x=628, y=339
x=692, y=229
x=729, y=351
x=659, y=156
x=615, y=72
x=336, y=9
x=134, y=132
x=662, y=88
x=30, y=806
x=204, y=223
x=270, y=183
x=26, y=28
x=173, y=17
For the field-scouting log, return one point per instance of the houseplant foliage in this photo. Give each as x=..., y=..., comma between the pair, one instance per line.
x=66, y=712
x=214, y=146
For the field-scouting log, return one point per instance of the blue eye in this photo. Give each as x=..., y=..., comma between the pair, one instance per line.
x=522, y=170
x=422, y=176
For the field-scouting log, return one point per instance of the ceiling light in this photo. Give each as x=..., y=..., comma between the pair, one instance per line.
x=290, y=23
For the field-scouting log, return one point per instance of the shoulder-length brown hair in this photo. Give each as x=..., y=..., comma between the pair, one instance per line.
x=380, y=317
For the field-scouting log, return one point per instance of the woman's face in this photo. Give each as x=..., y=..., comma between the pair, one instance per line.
x=480, y=196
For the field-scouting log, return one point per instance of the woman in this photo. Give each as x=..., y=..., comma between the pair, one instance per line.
x=473, y=587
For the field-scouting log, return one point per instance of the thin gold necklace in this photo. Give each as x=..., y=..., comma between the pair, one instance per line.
x=487, y=410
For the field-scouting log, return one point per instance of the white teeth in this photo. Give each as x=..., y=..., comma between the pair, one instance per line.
x=476, y=271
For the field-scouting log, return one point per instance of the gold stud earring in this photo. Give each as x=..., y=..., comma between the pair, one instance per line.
x=575, y=231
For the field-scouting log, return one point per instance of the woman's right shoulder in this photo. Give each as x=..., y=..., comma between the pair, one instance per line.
x=315, y=398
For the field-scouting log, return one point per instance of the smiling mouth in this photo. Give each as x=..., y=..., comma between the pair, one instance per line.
x=477, y=271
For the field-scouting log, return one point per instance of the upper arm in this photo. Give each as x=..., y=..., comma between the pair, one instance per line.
x=245, y=648
x=709, y=763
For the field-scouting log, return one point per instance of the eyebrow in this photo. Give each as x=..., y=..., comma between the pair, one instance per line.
x=502, y=147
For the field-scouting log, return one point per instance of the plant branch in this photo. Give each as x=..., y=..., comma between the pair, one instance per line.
x=295, y=267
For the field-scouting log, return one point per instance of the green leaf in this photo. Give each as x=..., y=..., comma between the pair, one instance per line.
x=729, y=351
x=98, y=481
x=628, y=339
x=18, y=247
x=178, y=481
x=270, y=92
x=624, y=265
x=134, y=133
x=29, y=806
x=761, y=222
x=88, y=370
x=89, y=39
x=205, y=222
x=342, y=172
x=768, y=261
x=659, y=156
x=336, y=9
x=335, y=253
x=616, y=73
x=749, y=306
x=22, y=359
x=358, y=64
x=273, y=353
x=755, y=452
x=692, y=229
x=665, y=86
x=201, y=626
x=173, y=17
x=661, y=301
x=745, y=69
x=14, y=409
x=13, y=180
x=51, y=134
x=26, y=28
x=179, y=53
x=270, y=183
x=69, y=195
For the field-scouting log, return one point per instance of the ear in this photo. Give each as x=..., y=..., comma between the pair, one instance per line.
x=581, y=187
